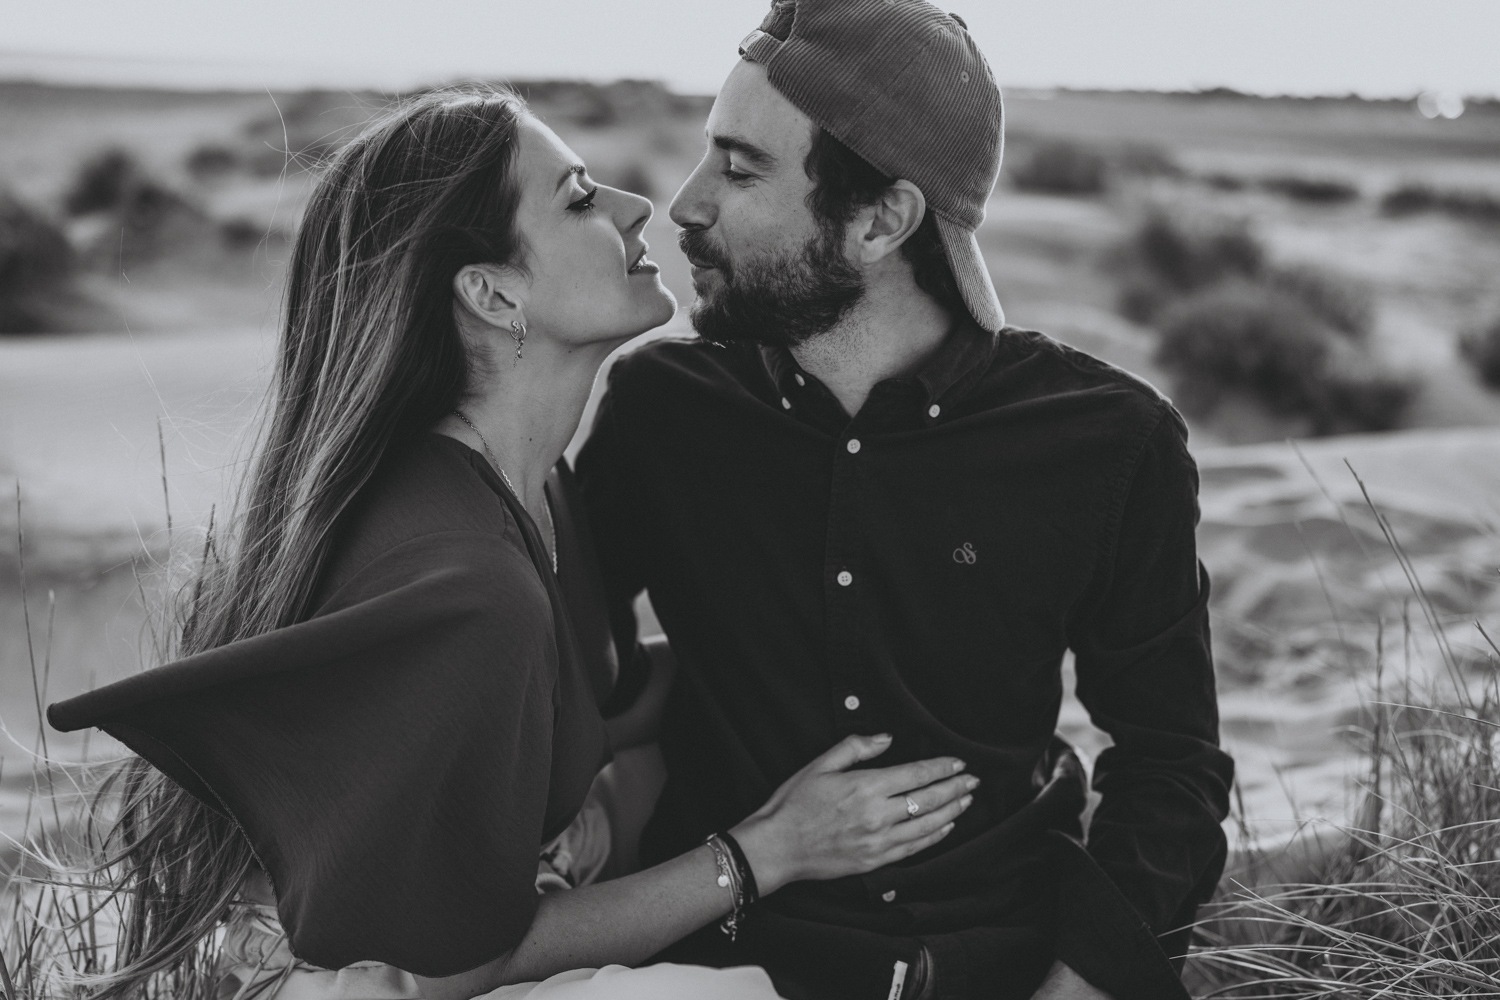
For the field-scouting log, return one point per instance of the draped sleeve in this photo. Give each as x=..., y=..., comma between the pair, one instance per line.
x=389, y=759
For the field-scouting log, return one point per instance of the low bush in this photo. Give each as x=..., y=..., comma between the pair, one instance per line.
x=1166, y=258
x=241, y=233
x=1470, y=206
x=1481, y=348
x=1344, y=305
x=1248, y=338
x=210, y=162
x=102, y=182
x=155, y=220
x=36, y=262
x=1221, y=181
x=633, y=176
x=1061, y=167
x=1316, y=190
x=1146, y=160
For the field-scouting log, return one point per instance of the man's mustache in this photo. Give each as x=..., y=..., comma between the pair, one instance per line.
x=701, y=249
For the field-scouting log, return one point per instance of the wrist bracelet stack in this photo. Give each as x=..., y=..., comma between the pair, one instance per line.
x=734, y=875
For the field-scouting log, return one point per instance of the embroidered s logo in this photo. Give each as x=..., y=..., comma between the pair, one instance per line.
x=965, y=554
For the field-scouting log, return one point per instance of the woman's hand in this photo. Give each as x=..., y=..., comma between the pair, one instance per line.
x=826, y=821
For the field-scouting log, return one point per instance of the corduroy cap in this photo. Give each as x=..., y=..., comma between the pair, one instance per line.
x=902, y=84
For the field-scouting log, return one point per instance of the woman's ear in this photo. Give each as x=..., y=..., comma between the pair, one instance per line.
x=489, y=293
x=893, y=217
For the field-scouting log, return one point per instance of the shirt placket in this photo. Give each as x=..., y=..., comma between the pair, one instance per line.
x=846, y=588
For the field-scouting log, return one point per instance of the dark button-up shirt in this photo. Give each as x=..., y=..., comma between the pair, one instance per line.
x=920, y=568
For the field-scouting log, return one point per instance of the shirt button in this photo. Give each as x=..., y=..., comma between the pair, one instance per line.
x=889, y=895
x=786, y=404
x=853, y=446
x=852, y=702
x=845, y=578
x=800, y=379
x=934, y=410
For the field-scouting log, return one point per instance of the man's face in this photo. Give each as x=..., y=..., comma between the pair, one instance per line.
x=764, y=268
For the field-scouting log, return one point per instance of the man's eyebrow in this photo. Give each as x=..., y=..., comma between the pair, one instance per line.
x=735, y=144
x=577, y=168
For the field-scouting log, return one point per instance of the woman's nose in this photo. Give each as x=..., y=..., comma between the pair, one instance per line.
x=634, y=212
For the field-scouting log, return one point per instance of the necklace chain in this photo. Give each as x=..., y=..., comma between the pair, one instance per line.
x=546, y=502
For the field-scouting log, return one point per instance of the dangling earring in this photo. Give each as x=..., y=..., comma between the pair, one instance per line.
x=518, y=334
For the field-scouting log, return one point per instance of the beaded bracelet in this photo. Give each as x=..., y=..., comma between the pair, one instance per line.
x=742, y=864
x=729, y=878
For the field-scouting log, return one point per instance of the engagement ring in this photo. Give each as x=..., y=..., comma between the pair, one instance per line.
x=912, y=808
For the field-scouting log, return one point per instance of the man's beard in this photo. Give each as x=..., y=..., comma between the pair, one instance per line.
x=782, y=300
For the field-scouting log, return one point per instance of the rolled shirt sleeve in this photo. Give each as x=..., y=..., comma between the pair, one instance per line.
x=1145, y=675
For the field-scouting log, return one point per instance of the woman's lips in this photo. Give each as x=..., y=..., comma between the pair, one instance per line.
x=643, y=265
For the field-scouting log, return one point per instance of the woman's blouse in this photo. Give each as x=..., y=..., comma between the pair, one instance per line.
x=397, y=759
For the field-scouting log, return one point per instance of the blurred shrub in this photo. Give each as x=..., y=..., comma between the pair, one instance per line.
x=1346, y=306
x=301, y=130
x=35, y=263
x=1472, y=206
x=1251, y=339
x=633, y=176
x=102, y=182
x=1061, y=167
x=241, y=233
x=1481, y=347
x=211, y=162
x=594, y=105
x=1318, y=190
x=155, y=221
x=1221, y=181
x=1145, y=160
x=1166, y=258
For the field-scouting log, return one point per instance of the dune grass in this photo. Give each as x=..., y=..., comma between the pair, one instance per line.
x=1404, y=902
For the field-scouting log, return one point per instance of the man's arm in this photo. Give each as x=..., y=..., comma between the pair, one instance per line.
x=1145, y=674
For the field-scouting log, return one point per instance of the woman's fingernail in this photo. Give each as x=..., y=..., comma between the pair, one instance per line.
x=959, y=765
x=948, y=829
x=966, y=801
x=971, y=782
x=881, y=737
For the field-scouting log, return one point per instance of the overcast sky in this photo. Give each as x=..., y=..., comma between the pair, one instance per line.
x=1373, y=47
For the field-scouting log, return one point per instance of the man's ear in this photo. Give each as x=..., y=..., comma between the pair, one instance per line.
x=492, y=294
x=893, y=217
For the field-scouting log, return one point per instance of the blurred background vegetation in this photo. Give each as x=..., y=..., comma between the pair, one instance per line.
x=1280, y=266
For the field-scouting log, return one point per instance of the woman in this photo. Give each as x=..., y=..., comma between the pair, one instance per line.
x=383, y=704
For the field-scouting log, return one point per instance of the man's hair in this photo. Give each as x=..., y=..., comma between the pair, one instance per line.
x=844, y=182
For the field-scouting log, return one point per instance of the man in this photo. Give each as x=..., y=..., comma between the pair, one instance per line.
x=860, y=503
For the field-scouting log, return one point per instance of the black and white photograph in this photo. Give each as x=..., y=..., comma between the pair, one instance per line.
x=751, y=500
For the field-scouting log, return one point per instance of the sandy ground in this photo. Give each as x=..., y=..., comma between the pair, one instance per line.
x=1302, y=571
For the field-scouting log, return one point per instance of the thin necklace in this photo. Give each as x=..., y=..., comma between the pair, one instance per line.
x=546, y=502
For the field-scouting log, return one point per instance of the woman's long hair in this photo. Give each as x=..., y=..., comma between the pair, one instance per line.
x=370, y=354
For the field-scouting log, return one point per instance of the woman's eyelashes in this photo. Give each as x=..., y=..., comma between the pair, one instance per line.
x=584, y=204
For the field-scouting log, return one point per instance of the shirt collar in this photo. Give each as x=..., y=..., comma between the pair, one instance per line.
x=948, y=371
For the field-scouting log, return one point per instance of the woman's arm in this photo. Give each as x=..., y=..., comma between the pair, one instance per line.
x=824, y=822
x=640, y=723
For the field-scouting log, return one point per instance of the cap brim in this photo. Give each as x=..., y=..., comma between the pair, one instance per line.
x=972, y=276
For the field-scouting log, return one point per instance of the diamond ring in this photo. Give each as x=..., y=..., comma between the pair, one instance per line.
x=912, y=806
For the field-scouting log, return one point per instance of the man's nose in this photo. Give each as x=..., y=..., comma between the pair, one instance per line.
x=691, y=207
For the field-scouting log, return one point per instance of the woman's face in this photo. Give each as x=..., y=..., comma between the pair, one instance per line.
x=590, y=279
